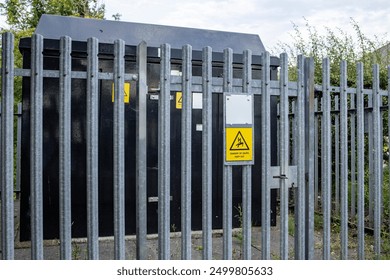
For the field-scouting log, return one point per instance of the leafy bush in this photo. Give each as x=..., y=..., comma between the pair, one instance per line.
x=337, y=45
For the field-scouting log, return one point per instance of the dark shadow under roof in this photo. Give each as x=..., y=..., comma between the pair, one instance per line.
x=80, y=29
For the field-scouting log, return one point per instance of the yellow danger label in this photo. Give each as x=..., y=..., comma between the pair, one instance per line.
x=239, y=144
x=126, y=91
x=179, y=100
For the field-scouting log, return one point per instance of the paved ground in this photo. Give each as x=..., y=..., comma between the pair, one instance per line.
x=106, y=246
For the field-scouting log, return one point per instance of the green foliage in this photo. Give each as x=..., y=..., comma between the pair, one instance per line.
x=318, y=222
x=337, y=45
x=22, y=16
x=385, y=193
x=18, y=62
x=291, y=225
x=25, y=14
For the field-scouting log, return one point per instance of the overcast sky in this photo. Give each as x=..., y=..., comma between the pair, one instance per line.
x=270, y=19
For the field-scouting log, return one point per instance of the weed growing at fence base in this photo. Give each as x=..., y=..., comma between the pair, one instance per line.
x=239, y=216
x=385, y=217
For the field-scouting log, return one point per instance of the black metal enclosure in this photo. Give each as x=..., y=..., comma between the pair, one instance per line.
x=53, y=27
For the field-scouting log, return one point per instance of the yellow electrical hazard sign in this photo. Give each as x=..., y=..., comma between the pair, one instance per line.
x=239, y=144
x=179, y=100
x=126, y=91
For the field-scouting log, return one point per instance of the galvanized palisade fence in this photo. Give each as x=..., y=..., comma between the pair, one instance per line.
x=299, y=156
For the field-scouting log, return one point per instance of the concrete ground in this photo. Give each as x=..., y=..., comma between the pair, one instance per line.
x=106, y=245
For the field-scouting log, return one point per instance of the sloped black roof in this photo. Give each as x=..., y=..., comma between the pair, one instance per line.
x=80, y=29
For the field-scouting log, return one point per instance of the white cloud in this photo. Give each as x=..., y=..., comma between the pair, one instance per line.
x=271, y=19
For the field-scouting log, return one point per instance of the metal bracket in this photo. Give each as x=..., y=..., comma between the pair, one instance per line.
x=155, y=198
x=291, y=176
x=283, y=177
x=155, y=97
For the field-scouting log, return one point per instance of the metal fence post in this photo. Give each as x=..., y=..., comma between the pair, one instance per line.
x=207, y=164
x=377, y=161
x=265, y=158
x=309, y=154
x=186, y=150
x=119, y=150
x=92, y=139
x=326, y=158
x=141, y=150
x=227, y=170
x=301, y=182
x=164, y=155
x=284, y=155
x=65, y=148
x=7, y=146
x=360, y=159
x=344, y=160
x=247, y=170
x=36, y=143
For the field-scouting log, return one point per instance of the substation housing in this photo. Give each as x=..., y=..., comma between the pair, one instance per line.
x=52, y=28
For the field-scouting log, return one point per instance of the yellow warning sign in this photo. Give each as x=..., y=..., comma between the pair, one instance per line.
x=126, y=91
x=239, y=144
x=179, y=100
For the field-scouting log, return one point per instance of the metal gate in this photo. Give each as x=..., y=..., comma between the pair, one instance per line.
x=297, y=176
